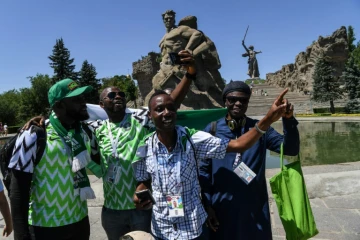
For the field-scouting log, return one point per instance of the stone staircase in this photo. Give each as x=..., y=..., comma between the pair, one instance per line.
x=259, y=105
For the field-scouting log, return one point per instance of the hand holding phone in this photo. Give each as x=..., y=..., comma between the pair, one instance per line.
x=174, y=58
x=145, y=195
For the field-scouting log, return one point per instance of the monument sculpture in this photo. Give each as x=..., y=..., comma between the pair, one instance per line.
x=253, y=69
x=297, y=76
x=207, y=88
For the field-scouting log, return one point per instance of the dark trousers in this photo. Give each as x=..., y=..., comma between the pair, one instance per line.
x=76, y=231
x=117, y=223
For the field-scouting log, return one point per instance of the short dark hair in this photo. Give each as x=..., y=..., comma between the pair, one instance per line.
x=168, y=12
x=156, y=93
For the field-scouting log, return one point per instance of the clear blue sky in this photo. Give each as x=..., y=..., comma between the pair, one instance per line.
x=111, y=34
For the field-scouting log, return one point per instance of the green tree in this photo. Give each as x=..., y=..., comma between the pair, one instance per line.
x=356, y=54
x=351, y=77
x=10, y=102
x=351, y=38
x=87, y=77
x=131, y=91
x=34, y=101
x=61, y=62
x=326, y=86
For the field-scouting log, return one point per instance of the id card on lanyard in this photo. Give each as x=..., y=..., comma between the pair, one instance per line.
x=114, y=169
x=173, y=196
x=241, y=169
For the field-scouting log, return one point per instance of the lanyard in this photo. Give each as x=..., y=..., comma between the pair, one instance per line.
x=178, y=187
x=114, y=143
x=238, y=156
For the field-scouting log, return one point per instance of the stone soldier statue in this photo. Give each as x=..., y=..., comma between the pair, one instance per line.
x=185, y=36
x=253, y=70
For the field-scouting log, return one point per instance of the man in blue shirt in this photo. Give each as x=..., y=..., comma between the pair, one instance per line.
x=238, y=207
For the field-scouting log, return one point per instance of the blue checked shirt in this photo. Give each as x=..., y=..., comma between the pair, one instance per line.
x=165, y=181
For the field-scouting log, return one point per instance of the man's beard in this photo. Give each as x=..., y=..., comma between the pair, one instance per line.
x=78, y=116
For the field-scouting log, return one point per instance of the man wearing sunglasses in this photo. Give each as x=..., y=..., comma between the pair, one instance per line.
x=238, y=206
x=117, y=140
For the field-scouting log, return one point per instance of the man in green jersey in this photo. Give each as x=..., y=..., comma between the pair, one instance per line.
x=49, y=185
x=117, y=140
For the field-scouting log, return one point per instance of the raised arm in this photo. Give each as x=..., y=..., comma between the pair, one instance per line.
x=193, y=35
x=243, y=43
x=182, y=88
x=244, y=142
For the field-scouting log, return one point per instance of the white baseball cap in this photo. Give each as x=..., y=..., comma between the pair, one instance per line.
x=140, y=235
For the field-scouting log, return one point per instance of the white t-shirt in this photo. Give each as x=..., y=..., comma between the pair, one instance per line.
x=5, y=127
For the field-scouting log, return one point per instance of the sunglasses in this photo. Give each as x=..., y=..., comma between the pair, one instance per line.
x=112, y=95
x=233, y=100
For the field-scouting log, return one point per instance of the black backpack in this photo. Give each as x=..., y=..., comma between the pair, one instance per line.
x=7, y=149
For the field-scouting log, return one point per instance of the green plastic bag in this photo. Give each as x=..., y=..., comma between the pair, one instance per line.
x=289, y=191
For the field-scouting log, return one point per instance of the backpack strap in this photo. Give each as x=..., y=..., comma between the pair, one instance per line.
x=213, y=126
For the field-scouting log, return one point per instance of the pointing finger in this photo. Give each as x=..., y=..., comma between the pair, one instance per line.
x=282, y=94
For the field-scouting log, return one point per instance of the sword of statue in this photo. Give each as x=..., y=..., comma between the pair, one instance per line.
x=246, y=33
x=243, y=43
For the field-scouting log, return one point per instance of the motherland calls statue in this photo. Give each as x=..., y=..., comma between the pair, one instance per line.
x=253, y=70
x=185, y=36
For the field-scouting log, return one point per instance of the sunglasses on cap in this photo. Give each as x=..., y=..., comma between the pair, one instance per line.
x=233, y=100
x=112, y=95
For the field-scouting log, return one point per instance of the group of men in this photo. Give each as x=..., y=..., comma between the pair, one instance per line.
x=137, y=151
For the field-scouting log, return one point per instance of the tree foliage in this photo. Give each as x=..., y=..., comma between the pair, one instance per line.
x=61, y=62
x=351, y=77
x=9, y=107
x=18, y=106
x=356, y=54
x=351, y=38
x=34, y=100
x=326, y=86
x=87, y=77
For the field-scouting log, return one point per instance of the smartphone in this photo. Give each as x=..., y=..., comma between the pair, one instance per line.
x=174, y=58
x=145, y=195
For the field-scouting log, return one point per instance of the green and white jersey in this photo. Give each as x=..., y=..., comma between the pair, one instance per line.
x=119, y=184
x=52, y=199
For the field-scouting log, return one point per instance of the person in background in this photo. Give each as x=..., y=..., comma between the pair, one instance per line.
x=238, y=207
x=5, y=130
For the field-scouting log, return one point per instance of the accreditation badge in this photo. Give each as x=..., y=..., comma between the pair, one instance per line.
x=113, y=174
x=175, y=205
x=245, y=173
